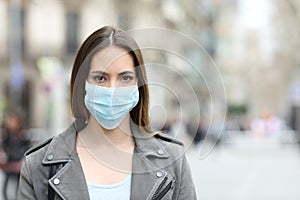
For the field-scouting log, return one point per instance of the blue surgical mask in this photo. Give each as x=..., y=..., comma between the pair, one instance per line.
x=110, y=105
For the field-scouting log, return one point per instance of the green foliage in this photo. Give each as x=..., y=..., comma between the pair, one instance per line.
x=237, y=109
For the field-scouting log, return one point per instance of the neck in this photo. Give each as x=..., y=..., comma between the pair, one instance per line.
x=95, y=135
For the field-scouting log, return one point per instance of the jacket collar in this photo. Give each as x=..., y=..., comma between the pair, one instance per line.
x=59, y=150
x=147, y=144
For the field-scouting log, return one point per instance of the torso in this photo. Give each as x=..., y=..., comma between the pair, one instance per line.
x=105, y=166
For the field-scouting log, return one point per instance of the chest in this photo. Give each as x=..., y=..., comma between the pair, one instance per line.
x=105, y=167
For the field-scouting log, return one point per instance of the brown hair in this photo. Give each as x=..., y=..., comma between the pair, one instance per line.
x=97, y=41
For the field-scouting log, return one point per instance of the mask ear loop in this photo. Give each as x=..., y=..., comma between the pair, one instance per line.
x=88, y=113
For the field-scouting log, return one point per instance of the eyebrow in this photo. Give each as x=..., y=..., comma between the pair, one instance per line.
x=126, y=72
x=99, y=72
x=105, y=73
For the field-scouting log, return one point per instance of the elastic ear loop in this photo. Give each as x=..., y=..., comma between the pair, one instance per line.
x=87, y=117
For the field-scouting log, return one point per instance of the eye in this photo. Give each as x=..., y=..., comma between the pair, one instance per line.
x=99, y=78
x=127, y=78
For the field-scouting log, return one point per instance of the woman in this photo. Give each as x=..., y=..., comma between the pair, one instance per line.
x=110, y=151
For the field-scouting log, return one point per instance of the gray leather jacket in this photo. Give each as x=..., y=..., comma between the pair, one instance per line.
x=159, y=170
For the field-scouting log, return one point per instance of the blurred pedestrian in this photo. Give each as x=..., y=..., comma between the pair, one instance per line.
x=110, y=151
x=267, y=125
x=14, y=144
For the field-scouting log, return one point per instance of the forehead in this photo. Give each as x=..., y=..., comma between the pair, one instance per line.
x=112, y=58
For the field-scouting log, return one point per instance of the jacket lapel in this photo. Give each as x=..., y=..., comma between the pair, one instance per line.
x=69, y=181
x=146, y=176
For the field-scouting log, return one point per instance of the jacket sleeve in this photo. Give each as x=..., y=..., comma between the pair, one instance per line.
x=25, y=185
x=187, y=187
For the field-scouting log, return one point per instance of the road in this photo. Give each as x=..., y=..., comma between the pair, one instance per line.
x=246, y=168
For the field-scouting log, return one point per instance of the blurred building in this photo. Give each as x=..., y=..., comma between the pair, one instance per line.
x=254, y=60
x=41, y=39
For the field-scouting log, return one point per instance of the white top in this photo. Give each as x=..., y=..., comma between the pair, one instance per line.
x=120, y=191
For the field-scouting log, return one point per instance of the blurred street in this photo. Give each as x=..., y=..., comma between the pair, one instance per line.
x=245, y=168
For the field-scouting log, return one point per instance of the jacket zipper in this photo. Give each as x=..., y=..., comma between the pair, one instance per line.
x=160, y=194
x=159, y=187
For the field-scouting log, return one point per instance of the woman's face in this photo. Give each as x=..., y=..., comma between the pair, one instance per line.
x=112, y=67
